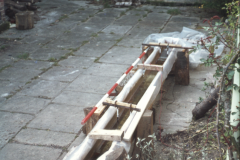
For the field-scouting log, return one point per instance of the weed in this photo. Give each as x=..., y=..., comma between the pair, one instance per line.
x=5, y=67
x=67, y=32
x=73, y=12
x=160, y=12
x=100, y=32
x=2, y=47
x=118, y=40
x=91, y=15
x=112, y=33
x=122, y=13
x=63, y=17
x=145, y=15
x=100, y=10
x=63, y=57
x=27, y=82
x=36, y=77
x=174, y=11
x=23, y=56
x=52, y=59
x=84, y=42
x=97, y=60
x=43, y=69
x=55, y=64
x=140, y=20
x=84, y=20
x=94, y=35
x=74, y=49
x=137, y=14
x=82, y=9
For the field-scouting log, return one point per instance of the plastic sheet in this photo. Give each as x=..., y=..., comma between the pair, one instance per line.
x=187, y=38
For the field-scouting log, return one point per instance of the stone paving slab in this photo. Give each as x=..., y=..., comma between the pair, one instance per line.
x=127, y=20
x=72, y=98
x=48, y=53
x=120, y=55
x=25, y=104
x=54, y=118
x=9, y=88
x=77, y=62
x=116, y=29
x=95, y=48
x=63, y=74
x=13, y=74
x=131, y=42
x=176, y=26
x=44, y=137
x=43, y=88
x=77, y=141
x=10, y=124
x=110, y=70
x=20, y=151
x=92, y=84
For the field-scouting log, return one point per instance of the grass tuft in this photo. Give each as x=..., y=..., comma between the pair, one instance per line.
x=23, y=56
x=174, y=11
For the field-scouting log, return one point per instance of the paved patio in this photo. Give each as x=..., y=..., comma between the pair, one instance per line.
x=67, y=62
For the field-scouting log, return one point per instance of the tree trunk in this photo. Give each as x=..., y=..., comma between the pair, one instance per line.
x=200, y=110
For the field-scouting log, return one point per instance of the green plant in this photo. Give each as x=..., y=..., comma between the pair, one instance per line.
x=216, y=5
x=23, y=56
x=63, y=17
x=84, y=42
x=174, y=11
x=5, y=67
x=51, y=59
x=223, y=33
x=147, y=148
x=94, y=35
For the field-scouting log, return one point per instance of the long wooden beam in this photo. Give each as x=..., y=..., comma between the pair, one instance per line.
x=166, y=45
x=143, y=103
x=151, y=67
x=108, y=135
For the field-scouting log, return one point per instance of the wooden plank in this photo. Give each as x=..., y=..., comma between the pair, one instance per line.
x=99, y=110
x=108, y=135
x=144, y=129
x=143, y=103
x=182, y=68
x=151, y=67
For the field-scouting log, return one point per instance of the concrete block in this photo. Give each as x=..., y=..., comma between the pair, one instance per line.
x=10, y=124
x=21, y=151
x=44, y=137
x=59, y=117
